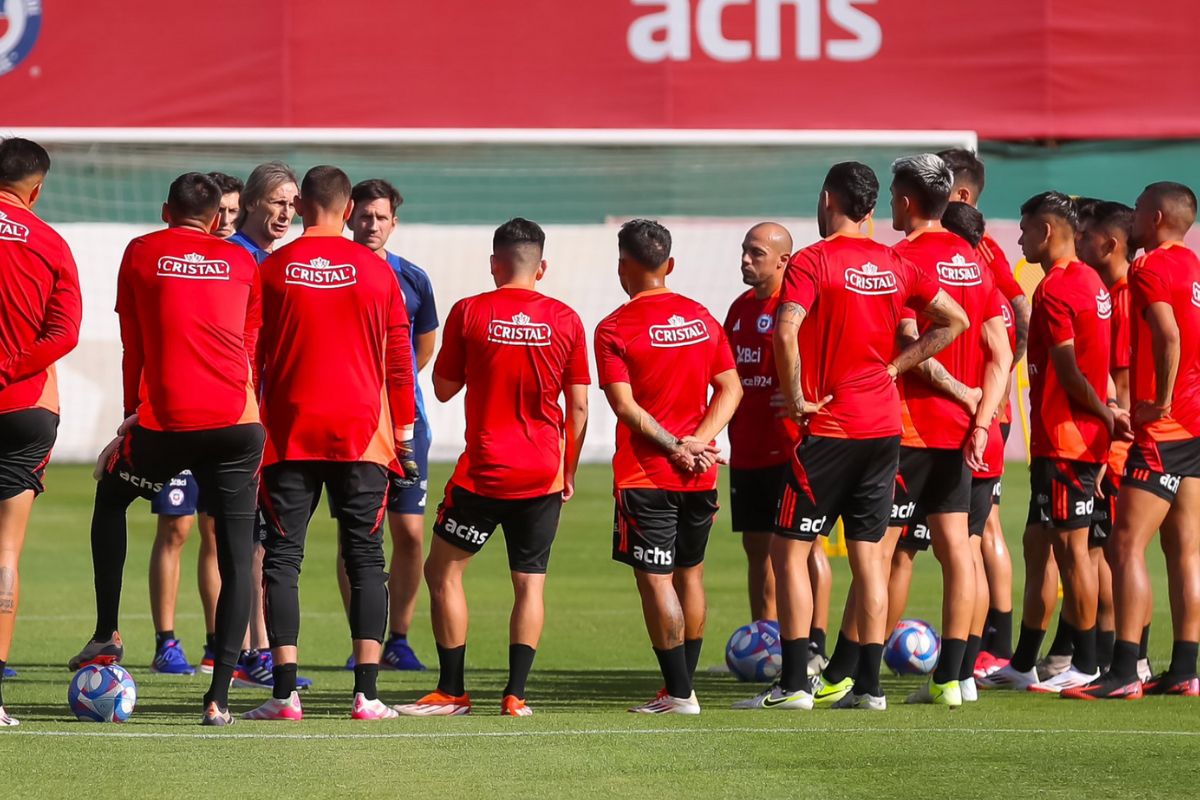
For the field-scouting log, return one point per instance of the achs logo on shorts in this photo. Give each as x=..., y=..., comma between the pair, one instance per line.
x=520, y=331
x=320, y=274
x=20, y=23
x=193, y=266
x=1103, y=304
x=11, y=230
x=959, y=272
x=1196, y=294
x=870, y=280
x=678, y=332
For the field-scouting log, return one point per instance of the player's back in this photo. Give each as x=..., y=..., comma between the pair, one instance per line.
x=1168, y=274
x=931, y=418
x=854, y=290
x=194, y=299
x=326, y=308
x=516, y=350
x=39, y=291
x=668, y=348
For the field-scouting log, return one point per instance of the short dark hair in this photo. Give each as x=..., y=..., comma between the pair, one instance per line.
x=228, y=183
x=21, y=159
x=645, y=241
x=376, y=189
x=966, y=167
x=964, y=220
x=927, y=178
x=326, y=187
x=1053, y=204
x=855, y=186
x=194, y=195
x=1111, y=217
x=516, y=232
x=1172, y=192
x=1085, y=207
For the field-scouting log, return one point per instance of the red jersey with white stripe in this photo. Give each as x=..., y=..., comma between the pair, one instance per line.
x=189, y=304
x=668, y=348
x=1168, y=274
x=854, y=291
x=336, y=356
x=41, y=307
x=1071, y=304
x=759, y=435
x=516, y=351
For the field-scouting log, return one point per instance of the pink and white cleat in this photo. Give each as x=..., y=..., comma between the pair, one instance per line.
x=288, y=710
x=371, y=709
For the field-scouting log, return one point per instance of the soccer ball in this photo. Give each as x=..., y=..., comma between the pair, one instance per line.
x=102, y=694
x=753, y=652
x=913, y=648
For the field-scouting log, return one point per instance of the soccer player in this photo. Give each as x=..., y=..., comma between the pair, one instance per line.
x=231, y=203
x=372, y=223
x=517, y=352
x=338, y=405
x=1071, y=427
x=969, y=179
x=188, y=304
x=1160, y=490
x=838, y=356
x=657, y=356
x=39, y=295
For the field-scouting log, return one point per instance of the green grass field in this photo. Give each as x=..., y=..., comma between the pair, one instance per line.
x=593, y=663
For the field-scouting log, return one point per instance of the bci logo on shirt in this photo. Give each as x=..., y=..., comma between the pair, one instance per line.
x=959, y=272
x=193, y=266
x=869, y=279
x=520, y=331
x=318, y=273
x=11, y=230
x=678, y=332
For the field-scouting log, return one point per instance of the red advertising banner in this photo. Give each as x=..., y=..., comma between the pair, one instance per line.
x=1011, y=70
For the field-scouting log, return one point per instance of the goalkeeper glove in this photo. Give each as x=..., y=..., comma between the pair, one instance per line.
x=406, y=455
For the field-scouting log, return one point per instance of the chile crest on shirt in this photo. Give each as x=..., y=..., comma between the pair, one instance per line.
x=319, y=273
x=870, y=280
x=193, y=266
x=11, y=230
x=678, y=332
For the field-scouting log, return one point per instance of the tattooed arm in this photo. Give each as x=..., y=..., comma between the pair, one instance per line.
x=1021, y=312
x=949, y=321
x=788, y=320
x=937, y=376
x=689, y=455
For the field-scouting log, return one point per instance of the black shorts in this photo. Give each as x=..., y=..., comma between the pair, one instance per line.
x=657, y=530
x=985, y=493
x=1105, y=511
x=754, y=497
x=1062, y=493
x=830, y=478
x=26, y=439
x=915, y=535
x=930, y=481
x=291, y=491
x=467, y=520
x=1159, y=467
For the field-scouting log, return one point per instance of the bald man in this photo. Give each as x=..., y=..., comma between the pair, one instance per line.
x=760, y=437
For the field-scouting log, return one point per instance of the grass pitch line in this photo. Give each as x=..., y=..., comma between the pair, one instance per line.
x=433, y=735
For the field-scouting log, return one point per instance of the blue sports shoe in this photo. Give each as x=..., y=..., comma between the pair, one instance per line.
x=255, y=670
x=9, y=672
x=351, y=663
x=171, y=660
x=399, y=656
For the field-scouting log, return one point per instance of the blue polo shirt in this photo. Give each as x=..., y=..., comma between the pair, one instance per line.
x=245, y=241
x=422, y=312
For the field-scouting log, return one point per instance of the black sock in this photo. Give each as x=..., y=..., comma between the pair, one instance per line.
x=1000, y=644
x=219, y=691
x=1144, y=646
x=974, y=645
x=520, y=661
x=285, y=681
x=794, y=676
x=162, y=637
x=1064, y=639
x=951, y=660
x=866, y=679
x=844, y=661
x=366, y=678
x=210, y=642
x=3, y=664
x=673, y=664
x=1183, y=659
x=816, y=641
x=691, y=649
x=1084, y=656
x=1124, y=663
x=1104, y=648
x=1025, y=656
x=452, y=661
x=394, y=636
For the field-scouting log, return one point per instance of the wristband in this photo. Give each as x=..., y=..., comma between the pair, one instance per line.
x=1113, y=403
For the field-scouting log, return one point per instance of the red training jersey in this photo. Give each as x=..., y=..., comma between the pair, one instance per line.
x=335, y=353
x=1120, y=358
x=668, y=349
x=1168, y=274
x=516, y=351
x=993, y=456
x=1070, y=304
x=932, y=419
x=854, y=291
x=41, y=304
x=993, y=258
x=189, y=304
x=759, y=434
